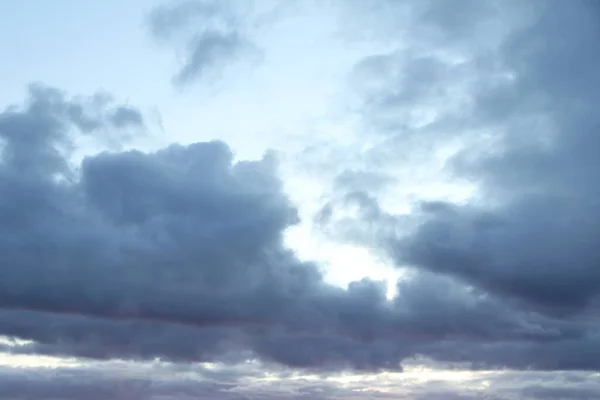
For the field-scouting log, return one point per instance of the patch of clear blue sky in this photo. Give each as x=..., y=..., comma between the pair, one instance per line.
x=81, y=47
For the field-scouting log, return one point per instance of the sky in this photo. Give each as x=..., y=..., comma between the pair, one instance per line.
x=300, y=199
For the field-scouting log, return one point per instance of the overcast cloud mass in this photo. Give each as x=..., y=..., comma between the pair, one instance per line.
x=383, y=199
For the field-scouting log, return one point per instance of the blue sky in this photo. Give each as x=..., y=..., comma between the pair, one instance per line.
x=98, y=42
x=300, y=199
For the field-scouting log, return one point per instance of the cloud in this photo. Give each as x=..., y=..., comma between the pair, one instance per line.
x=516, y=116
x=100, y=382
x=409, y=97
x=159, y=381
x=178, y=254
x=180, y=235
x=536, y=242
x=175, y=254
x=214, y=33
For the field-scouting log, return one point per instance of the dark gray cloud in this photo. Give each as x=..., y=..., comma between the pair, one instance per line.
x=538, y=242
x=180, y=235
x=178, y=254
x=175, y=254
x=213, y=34
x=530, y=131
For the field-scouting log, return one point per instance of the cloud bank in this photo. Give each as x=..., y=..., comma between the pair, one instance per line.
x=179, y=254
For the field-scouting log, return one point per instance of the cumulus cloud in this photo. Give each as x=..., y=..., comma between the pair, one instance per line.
x=175, y=254
x=178, y=254
x=180, y=235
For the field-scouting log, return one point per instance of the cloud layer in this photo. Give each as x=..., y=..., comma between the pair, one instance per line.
x=189, y=242
x=179, y=254
x=163, y=381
